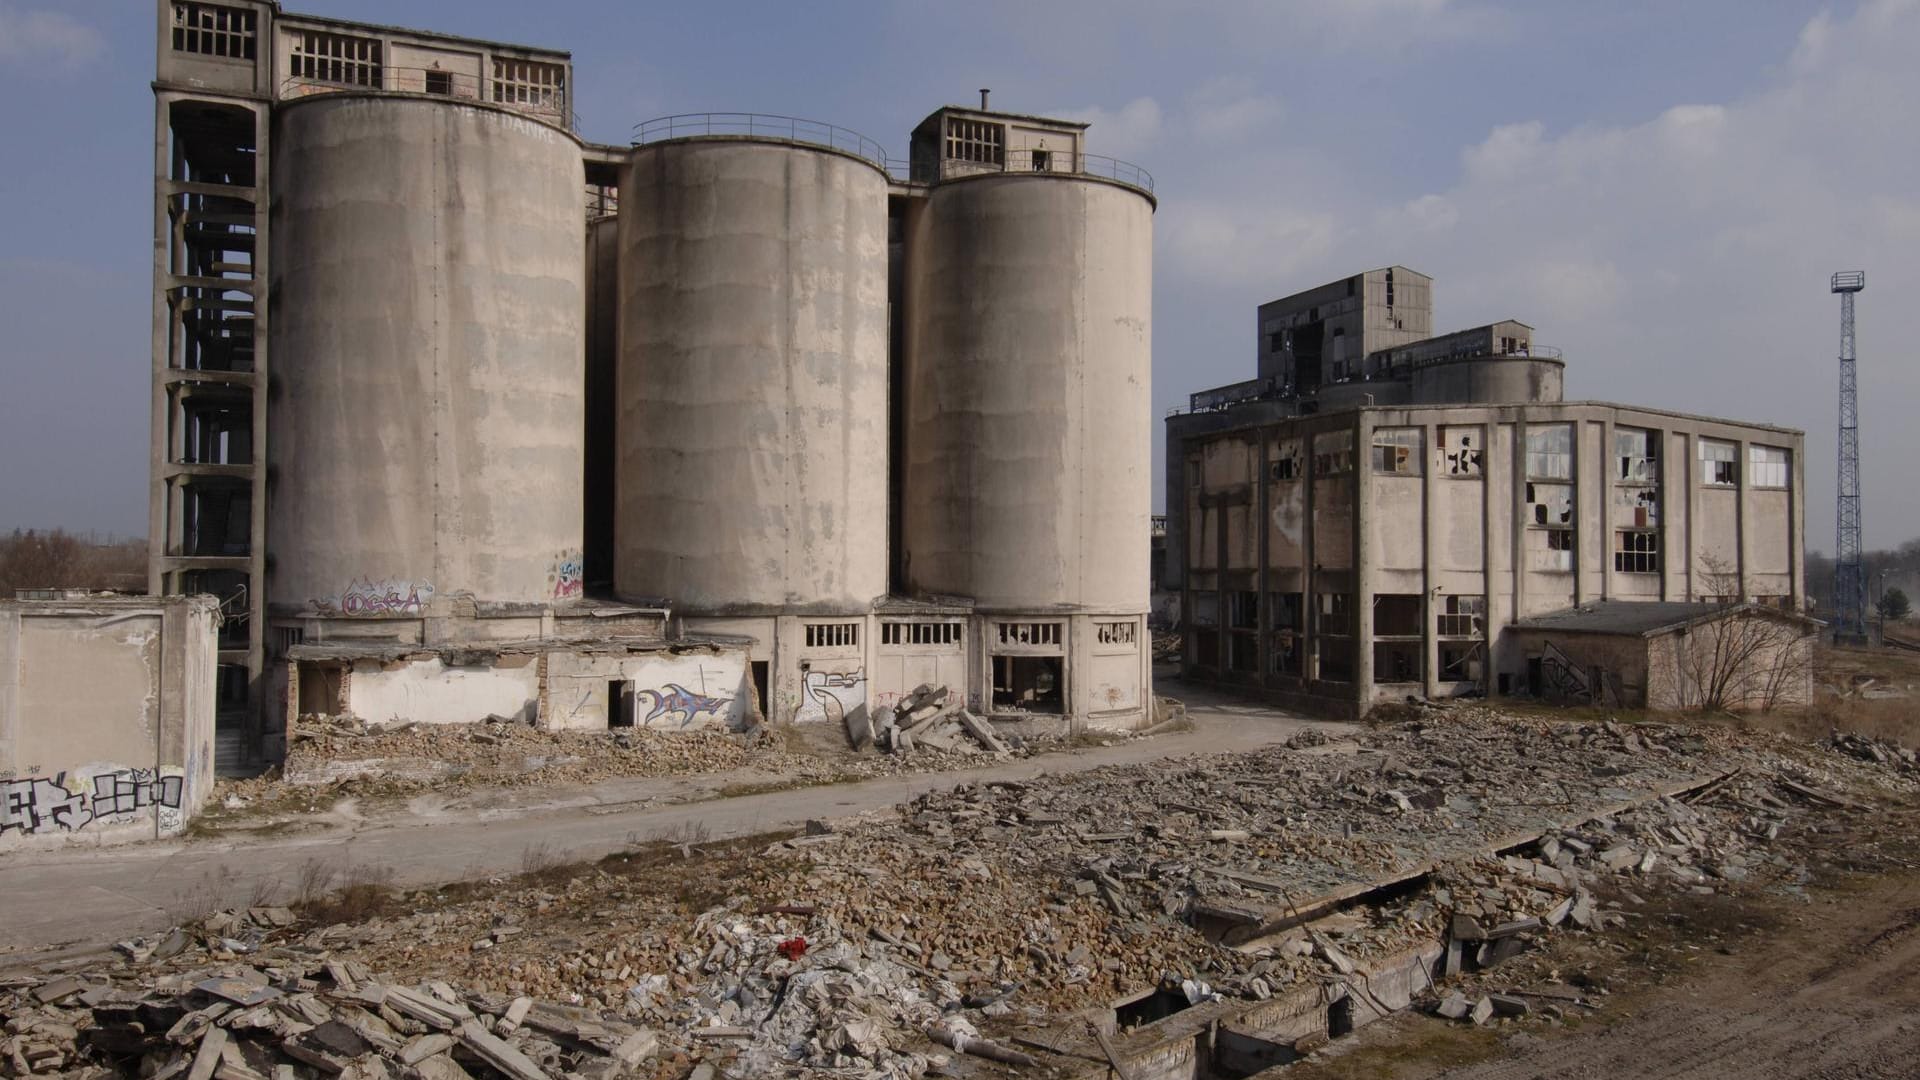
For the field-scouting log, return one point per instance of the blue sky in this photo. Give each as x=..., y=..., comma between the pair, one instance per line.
x=1661, y=189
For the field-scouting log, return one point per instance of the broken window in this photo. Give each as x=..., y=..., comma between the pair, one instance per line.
x=1636, y=455
x=1550, y=504
x=213, y=30
x=1333, y=453
x=1636, y=552
x=1549, y=549
x=1243, y=653
x=1397, y=451
x=440, y=82
x=1461, y=449
x=1396, y=615
x=1285, y=615
x=1030, y=633
x=1243, y=610
x=832, y=635
x=530, y=85
x=1042, y=161
x=1116, y=633
x=1336, y=658
x=1769, y=466
x=1462, y=616
x=1029, y=683
x=1336, y=614
x=1636, y=506
x=1719, y=463
x=1460, y=661
x=336, y=58
x=920, y=633
x=1399, y=661
x=1550, y=451
x=1286, y=463
x=976, y=140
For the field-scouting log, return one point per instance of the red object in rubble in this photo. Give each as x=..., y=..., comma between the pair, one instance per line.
x=793, y=948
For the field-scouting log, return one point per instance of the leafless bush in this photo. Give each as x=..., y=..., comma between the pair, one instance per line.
x=316, y=875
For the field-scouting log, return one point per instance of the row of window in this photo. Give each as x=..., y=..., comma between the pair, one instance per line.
x=834, y=635
x=1394, y=614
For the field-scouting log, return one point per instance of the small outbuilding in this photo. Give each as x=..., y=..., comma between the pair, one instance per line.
x=1669, y=655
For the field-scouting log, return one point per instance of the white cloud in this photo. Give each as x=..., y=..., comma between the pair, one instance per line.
x=1122, y=133
x=46, y=38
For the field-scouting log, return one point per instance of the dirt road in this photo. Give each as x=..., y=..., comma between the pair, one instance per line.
x=1821, y=988
x=98, y=896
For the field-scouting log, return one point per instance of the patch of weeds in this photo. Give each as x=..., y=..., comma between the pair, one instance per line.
x=543, y=864
x=367, y=893
x=202, y=898
x=315, y=877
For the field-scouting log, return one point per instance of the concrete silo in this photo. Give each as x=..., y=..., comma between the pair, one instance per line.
x=1027, y=441
x=752, y=426
x=428, y=332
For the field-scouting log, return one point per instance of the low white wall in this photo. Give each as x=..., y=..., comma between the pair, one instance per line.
x=430, y=692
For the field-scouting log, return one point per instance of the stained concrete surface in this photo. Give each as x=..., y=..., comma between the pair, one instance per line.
x=96, y=898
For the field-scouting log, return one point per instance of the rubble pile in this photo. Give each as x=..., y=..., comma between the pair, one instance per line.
x=930, y=718
x=997, y=908
x=1878, y=751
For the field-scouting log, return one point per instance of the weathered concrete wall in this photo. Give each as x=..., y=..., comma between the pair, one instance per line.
x=106, y=717
x=431, y=691
x=1489, y=380
x=1029, y=356
x=672, y=691
x=752, y=432
x=428, y=330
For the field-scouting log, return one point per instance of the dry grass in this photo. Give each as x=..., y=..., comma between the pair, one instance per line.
x=367, y=892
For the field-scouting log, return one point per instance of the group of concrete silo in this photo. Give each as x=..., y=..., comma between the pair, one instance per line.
x=438, y=319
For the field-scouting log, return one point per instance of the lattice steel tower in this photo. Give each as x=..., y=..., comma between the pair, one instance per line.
x=1849, y=576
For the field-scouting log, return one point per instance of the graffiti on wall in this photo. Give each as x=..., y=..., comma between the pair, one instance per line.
x=832, y=696
x=69, y=802
x=675, y=699
x=569, y=576
x=365, y=596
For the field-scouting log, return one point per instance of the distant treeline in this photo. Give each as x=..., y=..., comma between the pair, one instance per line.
x=1901, y=564
x=57, y=559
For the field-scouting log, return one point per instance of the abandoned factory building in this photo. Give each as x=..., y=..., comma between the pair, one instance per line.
x=458, y=414
x=1383, y=513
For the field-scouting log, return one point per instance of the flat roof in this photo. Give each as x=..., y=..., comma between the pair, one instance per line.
x=434, y=35
x=1643, y=618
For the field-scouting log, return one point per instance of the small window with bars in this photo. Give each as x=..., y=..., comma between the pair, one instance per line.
x=1463, y=616
x=977, y=141
x=213, y=30
x=1116, y=633
x=529, y=84
x=337, y=58
x=1029, y=633
x=1636, y=552
x=832, y=635
x=920, y=633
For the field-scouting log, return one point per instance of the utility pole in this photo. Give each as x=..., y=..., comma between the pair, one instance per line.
x=1849, y=576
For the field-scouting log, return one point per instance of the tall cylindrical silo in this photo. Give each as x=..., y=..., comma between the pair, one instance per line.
x=752, y=429
x=1028, y=437
x=427, y=346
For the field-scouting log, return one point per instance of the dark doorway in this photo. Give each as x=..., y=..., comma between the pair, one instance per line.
x=320, y=688
x=619, y=703
x=1029, y=683
x=759, y=669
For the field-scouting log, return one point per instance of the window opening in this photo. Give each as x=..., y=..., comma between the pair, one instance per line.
x=1035, y=633
x=1286, y=464
x=1463, y=616
x=1332, y=453
x=336, y=58
x=1460, y=450
x=529, y=84
x=977, y=141
x=1116, y=633
x=619, y=703
x=213, y=30
x=1636, y=456
x=1460, y=661
x=440, y=82
x=1243, y=610
x=1550, y=452
x=1769, y=466
x=1336, y=614
x=1399, y=661
x=1397, y=451
x=1042, y=161
x=1396, y=615
x=832, y=635
x=1028, y=683
x=1719, y=463
x=1636, y=552
x=920, y=633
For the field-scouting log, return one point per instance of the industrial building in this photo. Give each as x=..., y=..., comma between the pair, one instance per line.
x=1383, y=513
x=454, y=409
